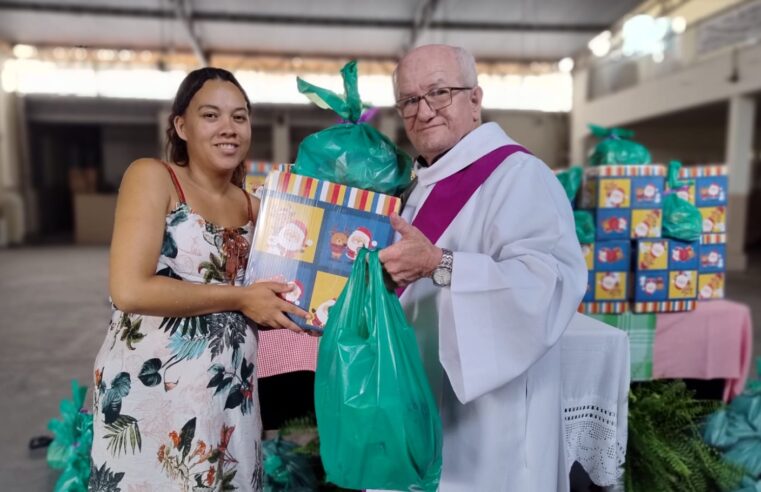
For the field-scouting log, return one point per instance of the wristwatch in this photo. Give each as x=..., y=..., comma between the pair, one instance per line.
x=442, y=274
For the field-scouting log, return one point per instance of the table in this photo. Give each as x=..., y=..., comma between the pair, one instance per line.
x=595, y=391
x=715, y=341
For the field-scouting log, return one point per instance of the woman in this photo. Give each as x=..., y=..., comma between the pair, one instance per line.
x=175, y=398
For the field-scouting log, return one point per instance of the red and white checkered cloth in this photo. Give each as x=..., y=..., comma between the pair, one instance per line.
x=282, y=351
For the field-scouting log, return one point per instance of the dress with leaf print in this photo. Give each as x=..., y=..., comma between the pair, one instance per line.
x=175, y=400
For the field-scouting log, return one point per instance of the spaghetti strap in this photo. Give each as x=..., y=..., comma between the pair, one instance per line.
x=248, y=202
x=177, y=186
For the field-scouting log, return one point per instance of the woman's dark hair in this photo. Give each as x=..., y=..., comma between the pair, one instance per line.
x=177, y=148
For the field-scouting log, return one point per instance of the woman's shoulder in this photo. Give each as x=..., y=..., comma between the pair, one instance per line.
x=147, y=165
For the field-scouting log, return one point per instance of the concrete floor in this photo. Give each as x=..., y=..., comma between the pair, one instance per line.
x=53, y=316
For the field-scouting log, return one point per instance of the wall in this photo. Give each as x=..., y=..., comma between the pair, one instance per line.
x=544, y=134
x=122, y=144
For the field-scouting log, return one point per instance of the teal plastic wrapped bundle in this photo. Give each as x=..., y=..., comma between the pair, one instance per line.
x=352, y=153
x=681, y=219
x=585, y=226
x=616, y=147
x=377, y=420
x=736, y=431
x=286, y=469
x=571, y=180
x=70, y=449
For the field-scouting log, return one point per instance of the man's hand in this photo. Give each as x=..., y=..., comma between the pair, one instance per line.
x=413, y=257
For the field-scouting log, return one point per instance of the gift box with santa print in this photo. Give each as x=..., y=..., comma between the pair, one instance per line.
x=711, y=270
x=257, y=171
x=665, y=275
x=627, y=200
x=708, y=190
x=308, y=233
x=608, y=269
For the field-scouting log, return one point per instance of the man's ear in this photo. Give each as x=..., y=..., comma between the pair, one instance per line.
x=179, y=127
x=476, y=95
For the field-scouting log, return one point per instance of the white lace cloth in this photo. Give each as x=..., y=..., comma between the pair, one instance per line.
x=595, y=362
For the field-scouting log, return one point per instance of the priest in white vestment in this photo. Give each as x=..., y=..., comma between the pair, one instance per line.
x=491, y=296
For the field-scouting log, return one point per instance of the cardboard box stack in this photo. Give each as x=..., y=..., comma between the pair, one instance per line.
x=626, y=201
x=308, y=233
x=708, y=191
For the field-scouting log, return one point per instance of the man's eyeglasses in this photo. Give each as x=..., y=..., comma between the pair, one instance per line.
x=438, y=98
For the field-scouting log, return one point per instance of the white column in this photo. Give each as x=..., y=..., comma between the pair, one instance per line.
x=739, y=152
x=578, y=127
x=281, y=138
x=13, y=205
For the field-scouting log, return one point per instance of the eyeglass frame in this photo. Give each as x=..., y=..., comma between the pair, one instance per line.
x=424, y=97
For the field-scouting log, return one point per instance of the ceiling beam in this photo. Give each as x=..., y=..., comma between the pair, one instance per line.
x=294, y=20
x=182, y=11
x=423, y=18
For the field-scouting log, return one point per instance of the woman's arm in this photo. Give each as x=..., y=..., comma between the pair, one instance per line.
x=144, y=200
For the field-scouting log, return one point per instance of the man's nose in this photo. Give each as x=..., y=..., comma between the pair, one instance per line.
x=424, y=110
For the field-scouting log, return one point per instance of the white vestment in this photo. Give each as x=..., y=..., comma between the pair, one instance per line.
x=518, y=278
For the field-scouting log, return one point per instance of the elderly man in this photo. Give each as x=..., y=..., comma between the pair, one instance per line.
x=493, y=273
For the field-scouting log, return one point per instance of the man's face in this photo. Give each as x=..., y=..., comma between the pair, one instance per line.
x=434, y=132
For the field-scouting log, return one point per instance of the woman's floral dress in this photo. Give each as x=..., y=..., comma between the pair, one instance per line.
x=175, y=399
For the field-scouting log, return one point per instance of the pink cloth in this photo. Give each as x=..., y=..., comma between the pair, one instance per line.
x=282, y=351
x=715, y=341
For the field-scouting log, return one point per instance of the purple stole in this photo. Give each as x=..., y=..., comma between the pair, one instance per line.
x=452, y=193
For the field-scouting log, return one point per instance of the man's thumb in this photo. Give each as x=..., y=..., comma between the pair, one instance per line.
x=399, y=224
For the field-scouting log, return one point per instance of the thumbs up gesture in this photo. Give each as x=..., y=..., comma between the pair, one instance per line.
x=412, y=257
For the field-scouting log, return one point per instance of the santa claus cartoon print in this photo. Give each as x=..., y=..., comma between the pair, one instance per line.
x=610, y=255
x=648, y=193
x=614, y=196
x=614, y=225
x=360, y=238
x=294, y=295
x=611, y=283
x=319, y=316
x=683, y=282
x=290, y=240
x=683, y=253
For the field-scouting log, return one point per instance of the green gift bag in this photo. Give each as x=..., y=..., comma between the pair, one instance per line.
x=377, y=420
x=353, y=153
x=681, y=219
x=616, y=147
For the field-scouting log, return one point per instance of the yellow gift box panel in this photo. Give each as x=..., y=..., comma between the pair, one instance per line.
x=588, y=250
x=711, y=286
x=614, y=193
x=653, y=255
x=610, y=286
x=714, y=219
x=683, y=284
x=646, y=222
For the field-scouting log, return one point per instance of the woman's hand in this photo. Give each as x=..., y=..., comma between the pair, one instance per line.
x=262, y=303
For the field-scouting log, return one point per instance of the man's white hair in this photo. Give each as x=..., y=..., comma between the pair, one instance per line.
x=465, y=60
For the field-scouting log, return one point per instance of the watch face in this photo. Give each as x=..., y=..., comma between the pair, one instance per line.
x=442, y=276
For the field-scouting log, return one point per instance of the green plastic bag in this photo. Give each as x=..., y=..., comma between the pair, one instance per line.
x=285, y=468
x=615, y=147
x=354, y=153
x=571, y=180
x=377, y=420
x=681, y=219
x=735, y=430
x=585, y=226
x=70, y=449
